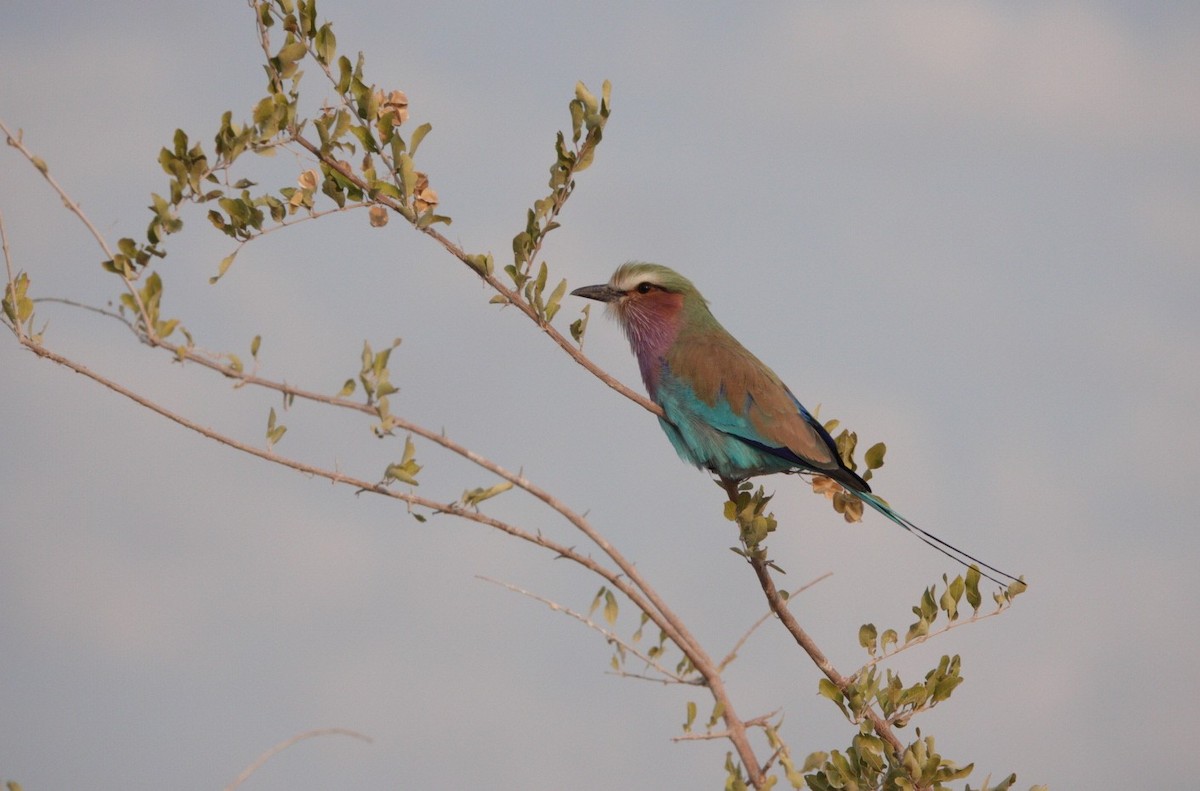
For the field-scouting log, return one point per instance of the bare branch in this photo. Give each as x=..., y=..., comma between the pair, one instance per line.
x=16, y=142
x=779, y=607
x=670, y=676
x=112, y=314
x=12, y=283
x=74, y=208
x=760, y=721
x=733, y=652
x=283, y=745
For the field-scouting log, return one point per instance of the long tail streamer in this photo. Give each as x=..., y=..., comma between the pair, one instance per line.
x=949, y=550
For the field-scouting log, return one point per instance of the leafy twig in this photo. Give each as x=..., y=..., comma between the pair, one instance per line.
x=612, y=637
x=40, y=164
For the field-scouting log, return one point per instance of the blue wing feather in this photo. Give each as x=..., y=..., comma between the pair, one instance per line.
x=716, y=437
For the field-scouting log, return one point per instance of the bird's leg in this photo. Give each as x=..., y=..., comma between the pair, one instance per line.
x=730, y=486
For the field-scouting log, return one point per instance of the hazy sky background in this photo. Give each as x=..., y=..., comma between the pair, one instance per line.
x=969, y=230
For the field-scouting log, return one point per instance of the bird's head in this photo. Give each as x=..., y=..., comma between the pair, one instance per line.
x=644, y=297
x=653, y=304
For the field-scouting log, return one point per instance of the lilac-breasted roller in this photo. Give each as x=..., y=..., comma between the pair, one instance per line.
x=723, y=409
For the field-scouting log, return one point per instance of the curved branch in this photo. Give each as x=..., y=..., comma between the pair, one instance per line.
x=286, y=743
x=779, y=607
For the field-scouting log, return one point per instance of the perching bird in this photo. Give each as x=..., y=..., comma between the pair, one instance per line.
x=723, y=409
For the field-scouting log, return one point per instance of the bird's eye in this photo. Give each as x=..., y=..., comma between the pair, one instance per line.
x=644, y=288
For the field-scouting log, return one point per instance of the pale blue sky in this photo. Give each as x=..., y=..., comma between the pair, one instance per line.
x=969, y=230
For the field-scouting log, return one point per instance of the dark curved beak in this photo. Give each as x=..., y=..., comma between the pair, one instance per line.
x=602, y=293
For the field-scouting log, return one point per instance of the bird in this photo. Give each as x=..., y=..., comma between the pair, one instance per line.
x=723, y=409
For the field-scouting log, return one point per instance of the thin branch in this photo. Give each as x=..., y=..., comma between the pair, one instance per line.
x=283, y=745
x=112, y=314
x=12, y=283
x=976, y=618
x=74, y=208
x=7, y=257
x=779, y=607
x=612, y=637
x=453, y=509
x=761, y=721
x=654, y=679
x=296, y=220
x=733, y=652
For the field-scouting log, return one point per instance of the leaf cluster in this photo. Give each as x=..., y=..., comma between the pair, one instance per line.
x=846, y=504
x=748, y=508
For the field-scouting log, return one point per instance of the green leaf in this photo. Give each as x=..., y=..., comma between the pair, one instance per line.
x=874, y=456
x=846, y=443
x=555, y=297
x=223, y=267
x=290, y=53
x=483, y=264
x=345, y=73
x=691, y=717
x=579, y=326
x=972, y=584
x=867, y=637
x=408, y=176
x=717, y=713
x=918, y=629
x=596, y=600
x=951, y=597
x=610, y=608
x=928, y=608
x=576, y=109
x=473, y=497
x=17, y=305
x=586, y=96
x=827, y=689
x=889, y=637
x=325, y=44
x=274, y=432
x=406, y=471
x=417, y=136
